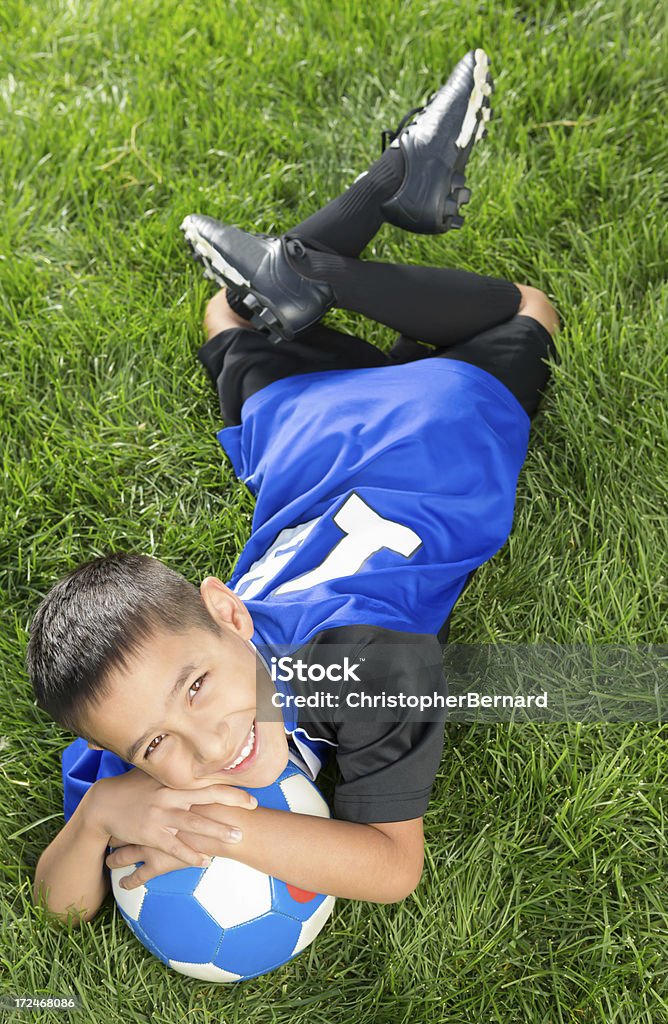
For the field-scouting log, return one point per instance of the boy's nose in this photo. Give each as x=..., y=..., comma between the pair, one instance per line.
x=212, y=748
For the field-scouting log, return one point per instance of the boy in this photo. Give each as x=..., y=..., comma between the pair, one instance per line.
x=381, y=483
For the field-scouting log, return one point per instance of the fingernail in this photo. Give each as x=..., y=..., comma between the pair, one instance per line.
x=235, y=835
x=122, y=884
x=253, y=802
x=206, y=862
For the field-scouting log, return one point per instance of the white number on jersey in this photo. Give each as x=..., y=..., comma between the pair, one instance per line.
x=364, y=533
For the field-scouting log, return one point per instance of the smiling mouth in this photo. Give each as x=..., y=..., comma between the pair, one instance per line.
x=247, y=752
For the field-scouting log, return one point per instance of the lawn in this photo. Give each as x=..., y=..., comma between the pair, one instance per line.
x=545, y=887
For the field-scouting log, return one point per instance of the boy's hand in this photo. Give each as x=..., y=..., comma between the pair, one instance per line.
x=158, y=863
x=155, y=863
x=141, y=812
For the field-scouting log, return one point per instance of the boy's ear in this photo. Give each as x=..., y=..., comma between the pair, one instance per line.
x=225, y=607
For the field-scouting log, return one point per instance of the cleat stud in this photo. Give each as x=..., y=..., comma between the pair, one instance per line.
x=450, y=208
x=251, y=303
x=463, y=196
x=456, y=222
x=267, y=318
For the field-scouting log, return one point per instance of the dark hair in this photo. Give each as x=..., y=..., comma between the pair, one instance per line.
x=95, y=620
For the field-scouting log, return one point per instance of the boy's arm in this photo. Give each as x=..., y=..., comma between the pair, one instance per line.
x=380, y=862
x=70, y=876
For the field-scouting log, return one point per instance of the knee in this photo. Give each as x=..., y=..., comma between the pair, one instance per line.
x=536, y=304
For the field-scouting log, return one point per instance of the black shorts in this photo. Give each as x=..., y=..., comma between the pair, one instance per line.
x=241, y=361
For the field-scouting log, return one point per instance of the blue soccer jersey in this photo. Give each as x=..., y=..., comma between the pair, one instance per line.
x=377, y=492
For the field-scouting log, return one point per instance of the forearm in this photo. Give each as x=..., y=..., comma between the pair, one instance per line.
x=70, y=876
x=325, y=855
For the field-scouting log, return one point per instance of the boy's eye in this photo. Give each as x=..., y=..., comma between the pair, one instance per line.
x=196, y=687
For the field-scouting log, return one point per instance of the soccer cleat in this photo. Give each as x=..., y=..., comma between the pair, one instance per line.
x=280, y=302
x=436, y=144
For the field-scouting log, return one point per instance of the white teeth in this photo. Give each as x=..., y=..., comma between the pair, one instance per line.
x=245, y=751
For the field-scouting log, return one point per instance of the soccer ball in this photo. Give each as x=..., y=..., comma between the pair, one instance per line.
x=229, y=922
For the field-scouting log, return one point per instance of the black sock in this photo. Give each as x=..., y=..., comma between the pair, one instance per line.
x=437, y=305
x=348, y=223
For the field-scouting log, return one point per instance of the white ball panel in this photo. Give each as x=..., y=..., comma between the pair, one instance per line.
x=205, y=972
x=303, y=798
x=314, y=924
x=233, y=893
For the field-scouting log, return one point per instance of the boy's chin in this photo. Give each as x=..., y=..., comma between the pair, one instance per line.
x=264, y=774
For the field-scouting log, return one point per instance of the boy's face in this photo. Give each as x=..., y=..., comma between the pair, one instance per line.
x=190, y=741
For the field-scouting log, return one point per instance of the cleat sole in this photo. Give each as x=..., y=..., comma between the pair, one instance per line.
x=476, y=99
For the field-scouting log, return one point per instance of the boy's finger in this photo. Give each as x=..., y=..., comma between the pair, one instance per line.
x=183, y=852
x=177, y=848
x=136, y=879
x=122, y=857
x=230, y=795
x=223, y=834
x=202, y=825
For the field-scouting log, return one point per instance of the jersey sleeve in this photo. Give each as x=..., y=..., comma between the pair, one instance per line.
x=387, y=720
x=82, y=766
x=388, y=758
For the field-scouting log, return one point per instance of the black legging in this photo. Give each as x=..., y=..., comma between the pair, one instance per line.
x=437, y=305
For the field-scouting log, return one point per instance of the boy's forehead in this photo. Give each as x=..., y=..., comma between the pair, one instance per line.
x=163, y=645
x=162, y=655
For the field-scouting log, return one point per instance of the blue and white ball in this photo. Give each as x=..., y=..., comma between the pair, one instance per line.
x=229, y=922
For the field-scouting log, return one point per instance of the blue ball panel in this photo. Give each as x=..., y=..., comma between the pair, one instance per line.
x=180, y=927
x=142, y=936
x=251, y=949
x=272, y=796
x=181, y=880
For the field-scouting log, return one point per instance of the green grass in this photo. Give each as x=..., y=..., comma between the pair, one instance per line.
x=544, y=894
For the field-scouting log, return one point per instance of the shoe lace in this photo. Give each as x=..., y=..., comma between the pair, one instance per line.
x=388, y=135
